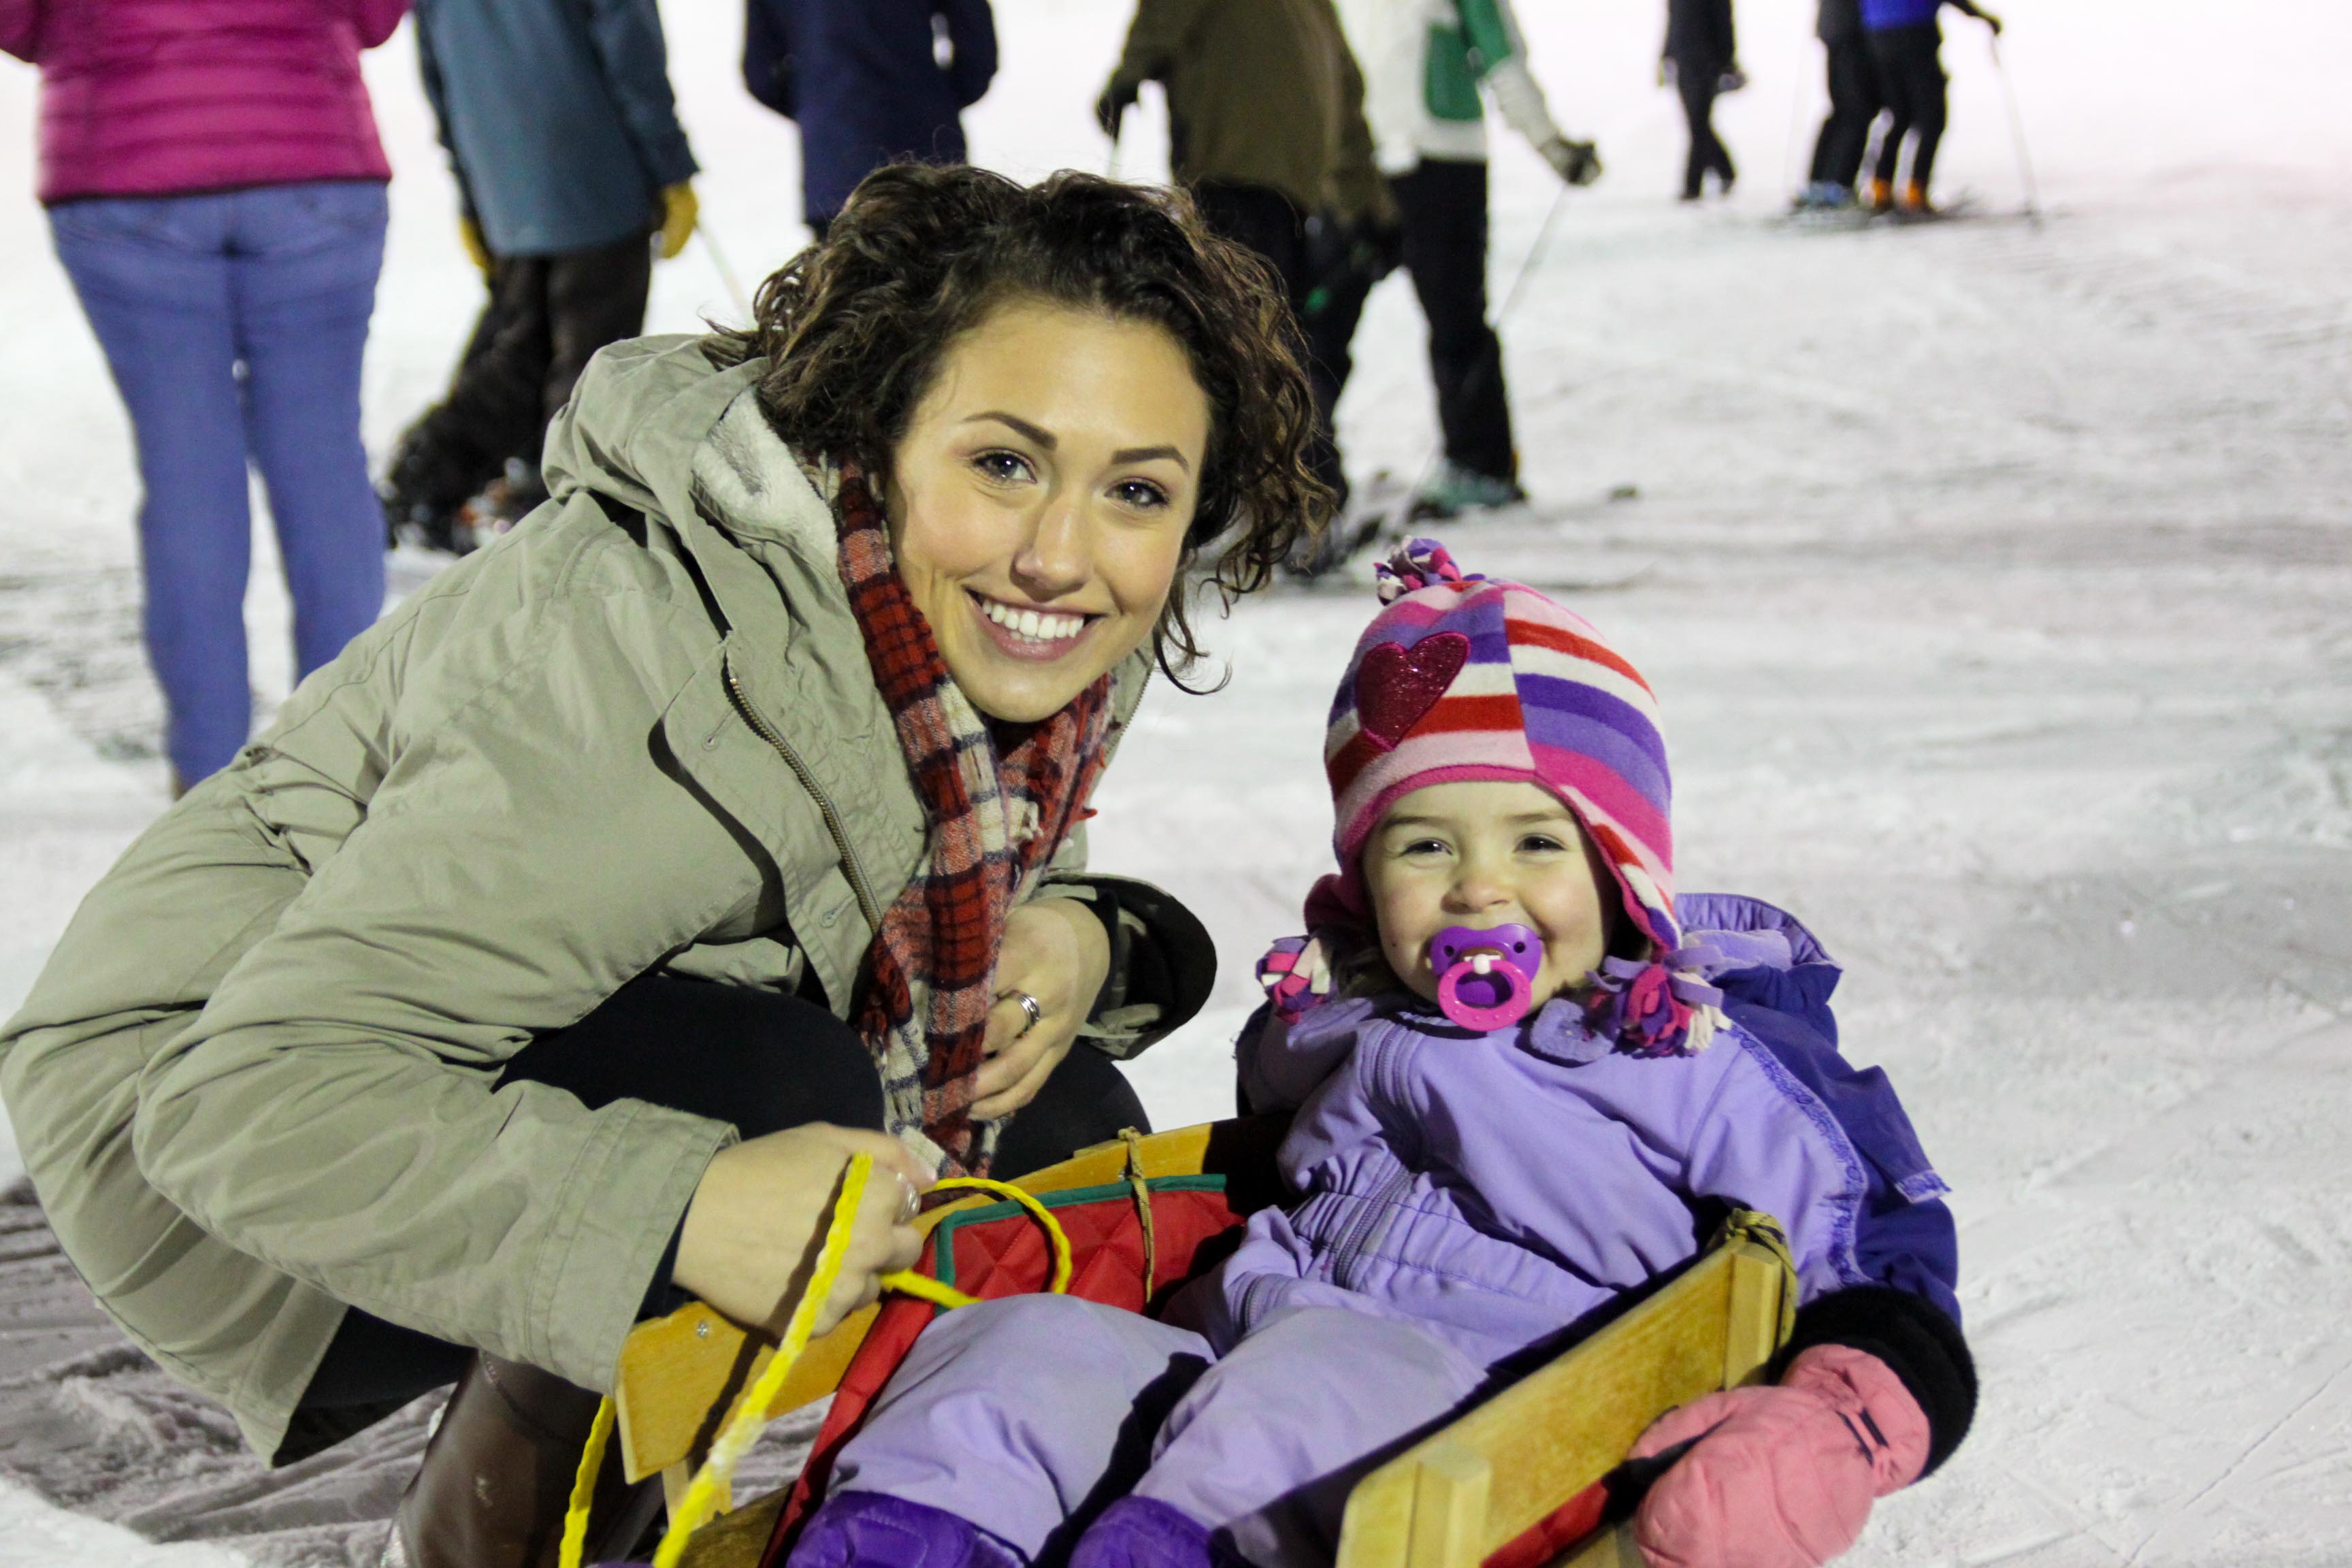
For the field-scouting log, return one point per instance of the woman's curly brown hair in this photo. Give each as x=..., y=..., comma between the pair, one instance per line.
x=854, y=331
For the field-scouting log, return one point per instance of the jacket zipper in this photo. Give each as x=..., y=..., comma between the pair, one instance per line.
x=850, y=864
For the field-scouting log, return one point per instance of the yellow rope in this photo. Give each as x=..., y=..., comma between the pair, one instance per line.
x=706, y=1493
x=710, y=1493
x=584, y=1488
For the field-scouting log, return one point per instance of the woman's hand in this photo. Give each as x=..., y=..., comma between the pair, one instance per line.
x=1056, y=951
x=758, y=1220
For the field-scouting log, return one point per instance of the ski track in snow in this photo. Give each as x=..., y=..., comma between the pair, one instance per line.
x=1992, y=577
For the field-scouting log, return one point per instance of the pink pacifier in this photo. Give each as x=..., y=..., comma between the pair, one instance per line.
x=1486, y=978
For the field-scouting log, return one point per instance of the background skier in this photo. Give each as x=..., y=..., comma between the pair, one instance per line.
x=1424, y=64
x=565, y=141
x=1701, y=60
x=1265, y=111
x=1905, y=48
x=1855, y=103
x=865, y=81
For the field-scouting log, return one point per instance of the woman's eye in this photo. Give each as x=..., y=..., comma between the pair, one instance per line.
x=1005, y=467
x=1140, y=494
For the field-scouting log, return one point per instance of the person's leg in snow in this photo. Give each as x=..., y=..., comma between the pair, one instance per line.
x=1442, y=203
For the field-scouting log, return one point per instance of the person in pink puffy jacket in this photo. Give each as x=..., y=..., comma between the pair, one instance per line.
x=215, y=192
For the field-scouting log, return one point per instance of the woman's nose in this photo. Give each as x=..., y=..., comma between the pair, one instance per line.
x=1058, y=556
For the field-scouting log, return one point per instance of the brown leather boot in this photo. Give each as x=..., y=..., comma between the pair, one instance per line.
x=496, y=1477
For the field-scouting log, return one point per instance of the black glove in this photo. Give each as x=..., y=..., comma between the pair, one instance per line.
x=1112, y=105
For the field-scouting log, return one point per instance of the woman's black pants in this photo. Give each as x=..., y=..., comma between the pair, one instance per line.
x=760, y=1060
x=1698, y=89
x=1854, y=102
x=1911, y=75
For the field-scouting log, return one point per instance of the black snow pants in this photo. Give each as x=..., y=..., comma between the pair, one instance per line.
x=546, y=316
x=1442, y=204
x=731, y=1053
x=1911, y=75
x=1268, y=223
x=1855, y=103
x=1698, y=90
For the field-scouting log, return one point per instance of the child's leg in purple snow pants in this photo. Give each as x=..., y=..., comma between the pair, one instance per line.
x=1000, y=1424
x=1263, y=1449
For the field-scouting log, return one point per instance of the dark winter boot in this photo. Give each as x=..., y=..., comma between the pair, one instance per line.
x=496, y=1477
x=867, y=1530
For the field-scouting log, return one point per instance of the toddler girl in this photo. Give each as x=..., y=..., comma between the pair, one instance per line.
x=1475, y=1187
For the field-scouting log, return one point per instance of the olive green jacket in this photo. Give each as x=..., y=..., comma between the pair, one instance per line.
x=1260, y=93
x=256, y=1080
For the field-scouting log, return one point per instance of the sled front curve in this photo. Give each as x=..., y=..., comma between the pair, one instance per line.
x=681, y=1376
x=1519, y=1482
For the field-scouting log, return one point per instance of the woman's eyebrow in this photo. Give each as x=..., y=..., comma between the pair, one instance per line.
x=1147, y=454
x=1045, y=439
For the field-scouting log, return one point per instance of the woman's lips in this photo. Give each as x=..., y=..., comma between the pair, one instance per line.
x=1024, y=631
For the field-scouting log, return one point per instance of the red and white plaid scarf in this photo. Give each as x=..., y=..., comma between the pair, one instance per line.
x=922, y=1000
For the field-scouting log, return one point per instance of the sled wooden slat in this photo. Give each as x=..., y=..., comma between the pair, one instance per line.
x=681, y=1376
x=1508, y=1466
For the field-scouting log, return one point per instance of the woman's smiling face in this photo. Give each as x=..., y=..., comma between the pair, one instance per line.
x=1039, y=499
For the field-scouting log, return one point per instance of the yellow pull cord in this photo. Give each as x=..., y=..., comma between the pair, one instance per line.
x=709, y=1494
x=584, y=1488
x=705, y=1495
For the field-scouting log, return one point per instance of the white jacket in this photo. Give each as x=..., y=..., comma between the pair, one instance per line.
x=1424, y=62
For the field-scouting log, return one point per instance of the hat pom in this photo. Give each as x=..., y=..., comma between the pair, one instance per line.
x=1654, y=1009
x=1418, y=564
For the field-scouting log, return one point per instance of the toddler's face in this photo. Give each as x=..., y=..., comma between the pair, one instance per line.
x=1486, y=854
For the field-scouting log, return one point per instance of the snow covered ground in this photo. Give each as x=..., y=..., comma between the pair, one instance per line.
x=1994, y=578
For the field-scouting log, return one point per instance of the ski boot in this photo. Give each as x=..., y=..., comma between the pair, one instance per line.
x=1453, y=489
x=1913, y=206
x=1878, y=195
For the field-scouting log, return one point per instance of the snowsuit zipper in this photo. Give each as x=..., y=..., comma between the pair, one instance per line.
x=850, y=864
x=1368, y=1228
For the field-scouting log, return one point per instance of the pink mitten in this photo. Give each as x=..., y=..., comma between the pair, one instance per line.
x=1781, y=1476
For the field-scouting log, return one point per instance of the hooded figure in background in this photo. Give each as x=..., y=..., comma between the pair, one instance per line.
x=869, y=82
x=569, y=156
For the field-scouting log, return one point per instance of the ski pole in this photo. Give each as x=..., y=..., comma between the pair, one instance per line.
x=2017, y=135
x=726, y=273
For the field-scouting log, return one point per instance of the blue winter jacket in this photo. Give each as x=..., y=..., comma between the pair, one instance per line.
x=1878, y=15
x=558, y=115
x=865, y=81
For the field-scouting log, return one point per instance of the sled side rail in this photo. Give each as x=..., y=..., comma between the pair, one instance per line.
x=681, y=1376
x=1523, y=1471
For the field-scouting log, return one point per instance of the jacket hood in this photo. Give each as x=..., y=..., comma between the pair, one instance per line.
x=641, y=410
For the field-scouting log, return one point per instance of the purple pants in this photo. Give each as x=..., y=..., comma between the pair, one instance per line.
x=1018, y=1415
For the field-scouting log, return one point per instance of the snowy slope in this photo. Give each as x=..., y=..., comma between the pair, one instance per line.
x=1992, y=577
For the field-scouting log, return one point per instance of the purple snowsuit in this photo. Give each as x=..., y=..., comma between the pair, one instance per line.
x=1467, y=1199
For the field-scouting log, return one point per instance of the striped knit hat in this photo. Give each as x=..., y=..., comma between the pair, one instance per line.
x=1460, y=677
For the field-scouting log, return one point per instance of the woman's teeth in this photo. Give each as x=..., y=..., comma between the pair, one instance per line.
x=1036, y=626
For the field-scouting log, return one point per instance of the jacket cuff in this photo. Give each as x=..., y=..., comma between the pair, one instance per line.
x=1163, y=964
x=623, y=1209
x=1917, y=1342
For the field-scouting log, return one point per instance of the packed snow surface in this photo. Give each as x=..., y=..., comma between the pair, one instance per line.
x=1994, y=578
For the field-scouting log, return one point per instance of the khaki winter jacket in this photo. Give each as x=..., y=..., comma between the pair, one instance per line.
x=1260, y=93
x=254, y=1083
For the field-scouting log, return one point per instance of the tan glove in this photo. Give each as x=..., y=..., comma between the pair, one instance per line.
x=679, y=209
x=469, y=234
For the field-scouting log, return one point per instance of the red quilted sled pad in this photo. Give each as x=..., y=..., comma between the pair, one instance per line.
x=1000, y=1250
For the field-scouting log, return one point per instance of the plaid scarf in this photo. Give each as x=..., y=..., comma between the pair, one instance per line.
x=922, y=1002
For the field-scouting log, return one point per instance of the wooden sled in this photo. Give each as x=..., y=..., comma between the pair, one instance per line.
x=1518, y=1482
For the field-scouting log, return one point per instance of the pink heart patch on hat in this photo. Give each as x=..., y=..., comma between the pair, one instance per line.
x=1397, y=685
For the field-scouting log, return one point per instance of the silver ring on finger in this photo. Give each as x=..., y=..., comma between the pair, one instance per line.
x=1028, y=1006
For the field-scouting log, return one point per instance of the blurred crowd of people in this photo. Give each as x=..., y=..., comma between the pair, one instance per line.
x=215, y=191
